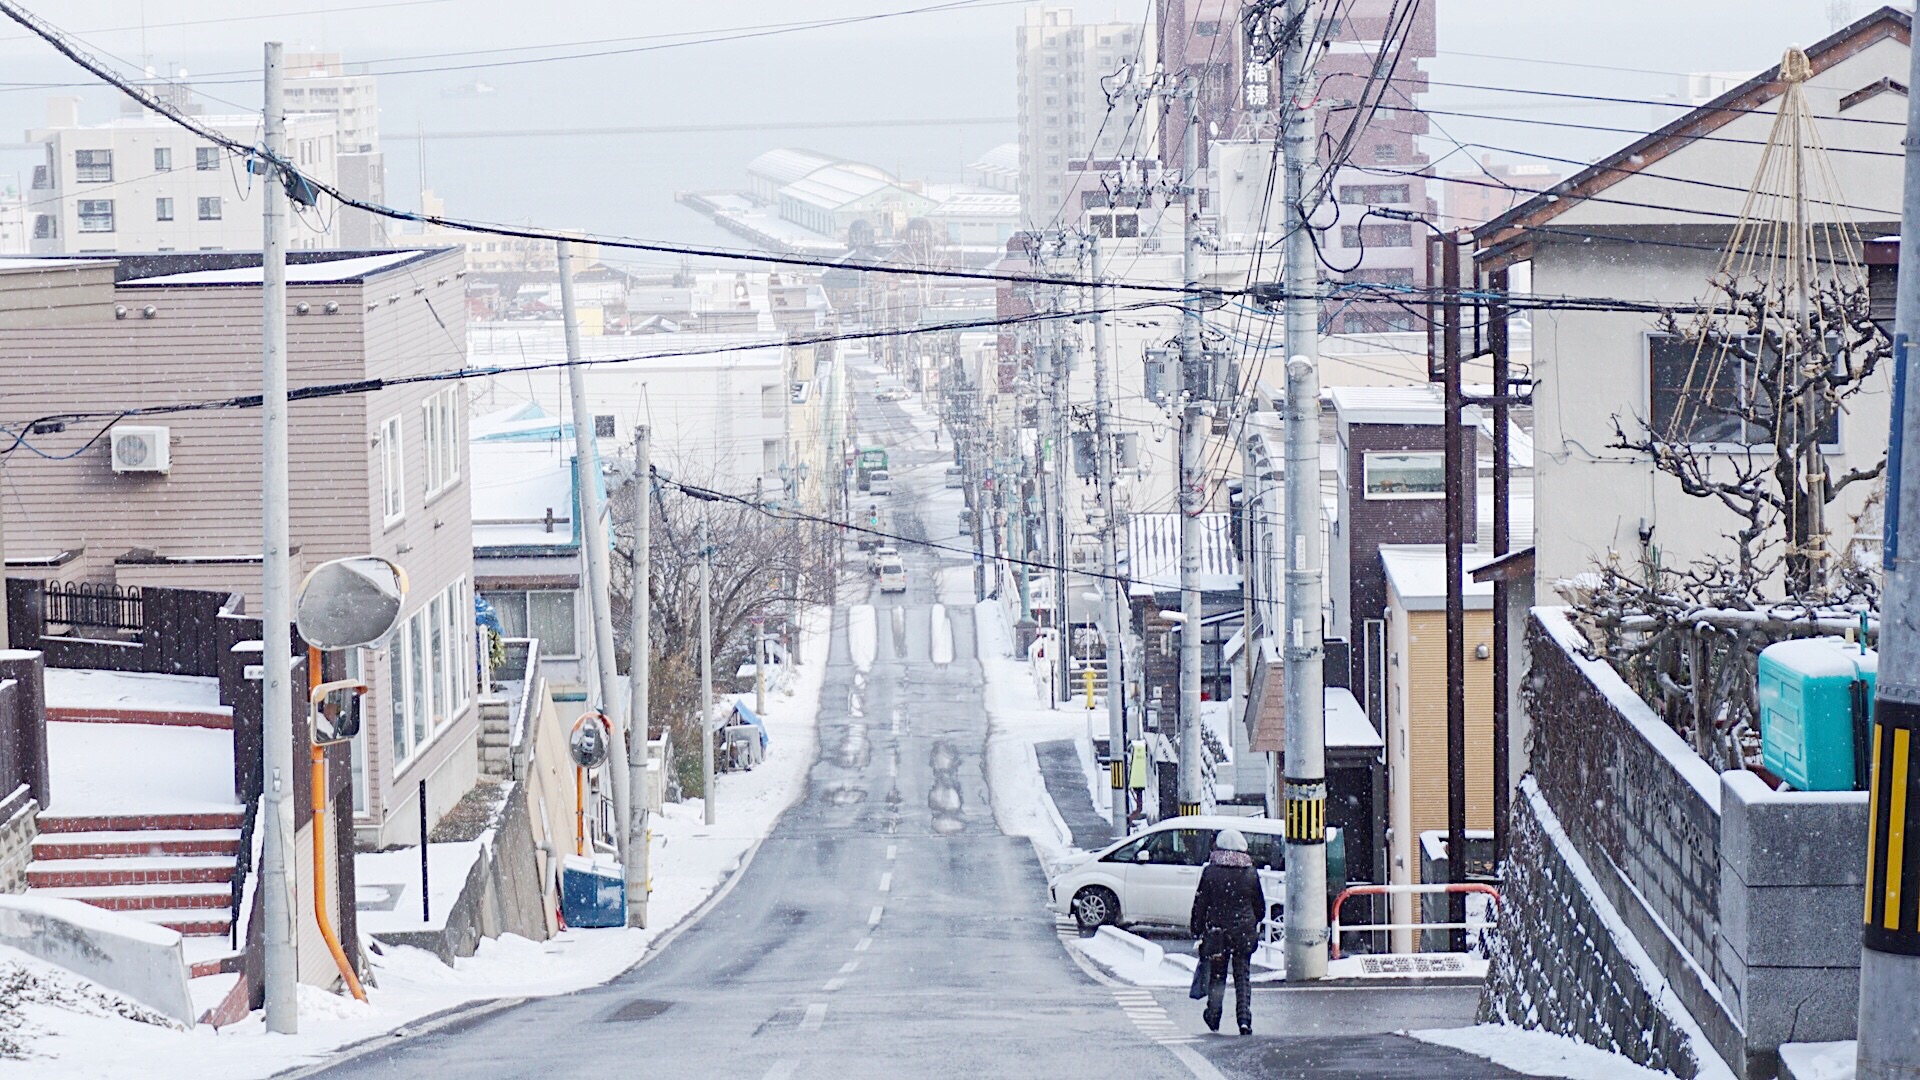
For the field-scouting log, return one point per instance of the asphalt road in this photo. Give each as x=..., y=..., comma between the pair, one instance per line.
x=886, y=928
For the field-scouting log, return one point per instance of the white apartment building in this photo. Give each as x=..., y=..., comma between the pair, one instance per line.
x=141, y=183
x=1065, y=128
x=319, y=83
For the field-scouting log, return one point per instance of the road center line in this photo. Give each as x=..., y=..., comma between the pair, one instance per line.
x=781, y=1070
x=847, y=968
x=835, y=983
x=815, y=1017
x=886, y=881
x=873, y=917
x=865, y=944
x=892, y=850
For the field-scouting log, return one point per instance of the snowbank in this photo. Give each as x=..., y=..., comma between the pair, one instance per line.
x=690, y=861
x=75, y=688
x=1538, y=1053
x=942, y=635
x=102, y=769
x=390, y=880
x=863, y=635
x=1819, y=1061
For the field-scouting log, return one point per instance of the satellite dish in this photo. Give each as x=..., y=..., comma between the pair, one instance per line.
x=350, y=603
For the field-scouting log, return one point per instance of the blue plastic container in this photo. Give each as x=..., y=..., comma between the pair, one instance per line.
x=593, y=892
x=1816, y=712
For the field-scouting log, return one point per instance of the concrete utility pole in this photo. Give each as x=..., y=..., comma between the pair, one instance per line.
x=1890, y=945
x=1198, y=389
x=586, y=477
x=277, y=902
x=1458, y=489
x=1109, y=553
x=1062, y=603
x=638, y=866
x=1305, y=778
x=706, y=669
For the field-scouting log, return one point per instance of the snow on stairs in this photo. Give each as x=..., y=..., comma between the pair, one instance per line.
x=172, y=869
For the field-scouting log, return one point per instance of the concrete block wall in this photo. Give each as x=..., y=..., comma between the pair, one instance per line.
x=1555, y=961
x=17, y=834
x=1792, y=876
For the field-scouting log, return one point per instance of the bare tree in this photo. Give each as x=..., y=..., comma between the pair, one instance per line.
x=765, y=564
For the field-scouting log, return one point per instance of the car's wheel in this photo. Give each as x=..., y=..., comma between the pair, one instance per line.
x=1095, y=906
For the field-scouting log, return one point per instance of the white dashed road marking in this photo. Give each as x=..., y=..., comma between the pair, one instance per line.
x=782, y=1070
x=835, y=983
x=886, y=881
x=873, y=917
x=865, y=944
x=816, y=1016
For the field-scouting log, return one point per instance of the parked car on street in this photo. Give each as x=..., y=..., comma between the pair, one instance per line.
x=893, y=576
x=892, y=393
x=879, y=557
x=1149, y=877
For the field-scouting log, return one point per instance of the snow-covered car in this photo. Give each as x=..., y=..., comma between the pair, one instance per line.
x=893, y=576
x=1149, y=877
x=892, y=393
x=879, y=556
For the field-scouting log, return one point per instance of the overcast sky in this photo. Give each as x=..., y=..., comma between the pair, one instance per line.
x=951, y=63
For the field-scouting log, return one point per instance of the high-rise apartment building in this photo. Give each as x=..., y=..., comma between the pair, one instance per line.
x=1202, y=40
x=1379, y=161
x=1478, y=196
x=1070, y=132
x=319, y=83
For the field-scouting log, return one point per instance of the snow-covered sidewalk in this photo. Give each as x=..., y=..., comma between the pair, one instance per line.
x=690, y=861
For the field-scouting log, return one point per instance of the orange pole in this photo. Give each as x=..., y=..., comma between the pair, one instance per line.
x=579, y=811
x=319, y=758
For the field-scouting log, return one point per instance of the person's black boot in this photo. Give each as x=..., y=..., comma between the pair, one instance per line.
x=1246, y=1027
x=1213, y=1020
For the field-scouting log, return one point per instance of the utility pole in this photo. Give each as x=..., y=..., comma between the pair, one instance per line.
x=706, y=668
x=639, y=864
x=586, y=477
x=1109, y=554
x=1457, y=491
x=1197, y=388
x=1305, y=779
x=1062, y=603
x=1890, y=945
x=277, y=903
x=759, y=664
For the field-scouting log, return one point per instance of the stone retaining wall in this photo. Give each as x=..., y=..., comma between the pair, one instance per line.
x=17, y=832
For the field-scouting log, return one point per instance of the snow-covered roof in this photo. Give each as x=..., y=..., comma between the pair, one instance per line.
x=516, y=485
x=787, y=164
x=1417, y=575
x=330, y=272
x=1153, y=552
x=1005, y=157
x=979, y=204
x=1419, y=404
x=1347, y=724
x=834, y=186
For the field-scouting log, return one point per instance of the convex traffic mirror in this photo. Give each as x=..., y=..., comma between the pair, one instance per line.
x=350, y=603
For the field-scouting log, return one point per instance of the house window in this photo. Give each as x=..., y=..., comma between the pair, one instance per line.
x=1368, y=194
x=1402, y=475
x=1386, y=151
x=206, y=158
x=45, y=227
x=163, y=209
x=96, y=215
x=603, y=425
x=772, y=405
x=439, y=678
x=393, y=472
x=442, y=415
x=1702, y=394
x=209, y=208
x=769, y=456
x=397, y=695
x=1206, y=28
x=1378, y=236
x=417, y=677
x=546, y=615
x=93, y=166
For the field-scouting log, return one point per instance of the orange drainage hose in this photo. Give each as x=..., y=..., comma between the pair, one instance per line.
x=318, y=756
x=579, y=811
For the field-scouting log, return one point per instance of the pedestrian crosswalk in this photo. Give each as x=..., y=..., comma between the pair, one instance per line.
x=1141, y=1007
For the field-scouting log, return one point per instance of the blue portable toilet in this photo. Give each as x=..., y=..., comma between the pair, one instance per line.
x=1816, y=712
x=593, y=892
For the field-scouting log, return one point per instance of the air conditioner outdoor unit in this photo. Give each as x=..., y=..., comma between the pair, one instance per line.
x=140, y=449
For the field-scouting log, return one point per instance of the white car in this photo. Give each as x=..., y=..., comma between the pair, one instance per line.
x=1150, y=877
x=893, y=576
x=879, y=557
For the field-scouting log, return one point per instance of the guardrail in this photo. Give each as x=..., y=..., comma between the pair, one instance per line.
x=1391, y=890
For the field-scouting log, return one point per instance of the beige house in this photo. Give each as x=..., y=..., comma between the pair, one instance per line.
x=173, y=499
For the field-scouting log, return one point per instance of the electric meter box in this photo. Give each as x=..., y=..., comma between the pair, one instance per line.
x=1816, y=712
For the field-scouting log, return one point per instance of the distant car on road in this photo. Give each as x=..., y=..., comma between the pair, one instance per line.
x=892, y=393
x=893, y=576
x=880, y=482
x=879, y=556
x=1150, y=876
x=956, y=476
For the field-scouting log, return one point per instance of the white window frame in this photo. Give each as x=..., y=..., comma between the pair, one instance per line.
x=80, y=207
x=1709, y=446
x=206, y=159
x=163, y=159
x=163, y=208
x=212, y=203
x=1439, y=457
x=98, y=168
x=442, y=417
x=393, y=471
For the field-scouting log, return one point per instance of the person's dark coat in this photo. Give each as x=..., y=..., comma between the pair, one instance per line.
x=1228, y=902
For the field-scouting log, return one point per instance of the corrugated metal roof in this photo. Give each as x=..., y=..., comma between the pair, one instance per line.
x=833, y=187
x=1153, y=552
x=1419, y=404
x=787, y=164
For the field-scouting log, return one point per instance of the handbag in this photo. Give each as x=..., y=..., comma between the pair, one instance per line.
x=1202, y=975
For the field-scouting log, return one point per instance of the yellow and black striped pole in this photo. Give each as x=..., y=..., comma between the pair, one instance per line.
x=1893, y=836
x=1306, y=807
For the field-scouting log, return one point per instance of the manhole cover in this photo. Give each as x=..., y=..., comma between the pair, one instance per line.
x=638, y=1009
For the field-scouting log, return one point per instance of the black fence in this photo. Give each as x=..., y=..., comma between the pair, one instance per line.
x=88, y=605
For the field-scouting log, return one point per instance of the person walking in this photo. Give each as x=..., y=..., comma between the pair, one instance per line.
x=1227, y=908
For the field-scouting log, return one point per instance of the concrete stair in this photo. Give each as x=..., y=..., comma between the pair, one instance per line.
x=175, y=870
